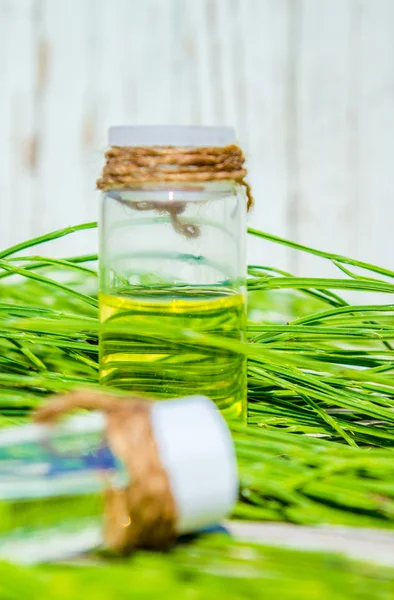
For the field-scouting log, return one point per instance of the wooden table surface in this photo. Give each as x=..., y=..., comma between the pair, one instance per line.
x=376, y=545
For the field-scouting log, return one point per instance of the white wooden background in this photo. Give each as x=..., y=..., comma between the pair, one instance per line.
x=308, y=84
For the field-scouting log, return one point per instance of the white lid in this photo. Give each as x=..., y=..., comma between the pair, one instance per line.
x=170, y=135
x=197, y=451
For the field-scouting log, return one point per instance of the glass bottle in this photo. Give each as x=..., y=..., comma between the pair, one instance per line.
x=53, y=479
x=172, y=257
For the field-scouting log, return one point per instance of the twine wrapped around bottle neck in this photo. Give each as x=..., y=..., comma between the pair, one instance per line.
x=127, y=166
x=144, y=514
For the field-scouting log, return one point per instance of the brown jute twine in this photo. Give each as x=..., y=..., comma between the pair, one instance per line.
x=128, y=166
x=144, y=514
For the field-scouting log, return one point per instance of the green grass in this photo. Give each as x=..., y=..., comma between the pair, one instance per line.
x=328, y=372
x=320, y=376
x=318, y=449
x=213, y=567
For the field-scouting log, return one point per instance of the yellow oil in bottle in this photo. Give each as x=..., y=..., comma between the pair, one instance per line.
x=135, y=354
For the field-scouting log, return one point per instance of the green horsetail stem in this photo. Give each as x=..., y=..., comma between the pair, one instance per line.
x=320, y=377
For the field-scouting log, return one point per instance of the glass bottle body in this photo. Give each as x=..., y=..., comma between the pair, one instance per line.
x=52, y=488
x=172, y=291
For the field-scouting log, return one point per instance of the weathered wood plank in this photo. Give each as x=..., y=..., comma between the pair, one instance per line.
x=321, y=213
x=372, y=210
x=18, y=71
x=263, y=45
x=63, y=118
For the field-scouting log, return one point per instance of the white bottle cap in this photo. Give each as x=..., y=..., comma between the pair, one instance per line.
x=197, y=451
x=170, y=135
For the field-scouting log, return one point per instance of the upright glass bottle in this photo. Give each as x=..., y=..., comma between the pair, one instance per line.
x=172, y=257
